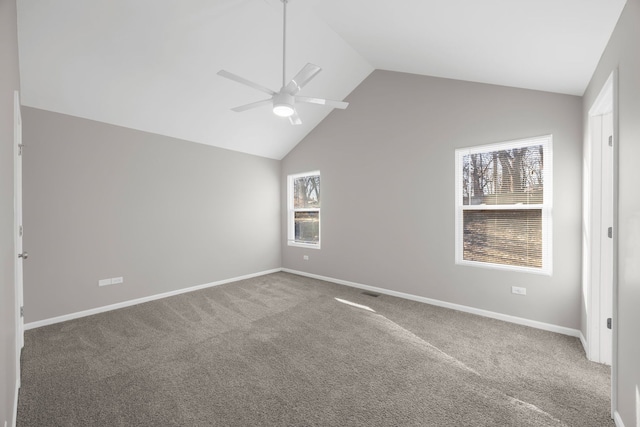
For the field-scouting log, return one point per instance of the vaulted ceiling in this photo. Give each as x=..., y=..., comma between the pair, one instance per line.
x=151, y=64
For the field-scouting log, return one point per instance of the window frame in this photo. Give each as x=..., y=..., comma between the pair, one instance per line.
x=291, y=211
x=546, y=207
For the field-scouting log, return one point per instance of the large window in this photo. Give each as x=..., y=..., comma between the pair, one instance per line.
x=303, y=191
x=503, y=205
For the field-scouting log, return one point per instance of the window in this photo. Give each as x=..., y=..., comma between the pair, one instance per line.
x=503, y=205
x=303, y=191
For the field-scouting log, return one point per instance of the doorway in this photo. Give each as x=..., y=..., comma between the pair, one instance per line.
x=600, y=229
x=18, y=230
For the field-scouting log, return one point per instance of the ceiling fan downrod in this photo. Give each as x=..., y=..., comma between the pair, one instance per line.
x=284, y=39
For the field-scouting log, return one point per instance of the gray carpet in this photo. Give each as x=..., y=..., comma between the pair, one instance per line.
x=281, y=350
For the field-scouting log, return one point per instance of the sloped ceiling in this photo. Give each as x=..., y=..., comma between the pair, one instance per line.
x=151, y=64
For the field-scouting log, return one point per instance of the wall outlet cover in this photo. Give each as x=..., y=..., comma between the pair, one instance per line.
x=518, y=290
x=104, y=282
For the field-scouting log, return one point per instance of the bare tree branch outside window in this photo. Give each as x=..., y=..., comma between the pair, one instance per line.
x=511, y=179
x=306, y=209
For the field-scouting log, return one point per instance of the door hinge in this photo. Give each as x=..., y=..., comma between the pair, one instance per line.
x=609, y=323
x=20, y=147
x=22, y=311
x=610, y=232
x=20, y=231
x=610, y=140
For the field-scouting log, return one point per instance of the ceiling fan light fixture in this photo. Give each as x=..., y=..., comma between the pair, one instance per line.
x=283, y=110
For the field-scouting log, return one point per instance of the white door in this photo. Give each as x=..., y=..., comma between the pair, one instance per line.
x=20, y=254
x=600, y=235
x=606, y=246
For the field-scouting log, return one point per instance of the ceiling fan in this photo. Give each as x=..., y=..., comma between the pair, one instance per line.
x=285, y=99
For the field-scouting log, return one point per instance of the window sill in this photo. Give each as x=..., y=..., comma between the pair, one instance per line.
x=532, y=270
x=304, y=245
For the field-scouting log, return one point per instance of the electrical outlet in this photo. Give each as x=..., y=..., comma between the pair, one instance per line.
x=518, y=290
x=305, y=257
x=104, y=282
x=112, y=281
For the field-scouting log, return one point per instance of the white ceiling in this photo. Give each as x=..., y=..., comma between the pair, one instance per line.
x=151, y=64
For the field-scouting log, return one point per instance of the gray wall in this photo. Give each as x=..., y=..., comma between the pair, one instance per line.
x=387, y=168
x=622, y=52
x=9, y=81
x=102, y=201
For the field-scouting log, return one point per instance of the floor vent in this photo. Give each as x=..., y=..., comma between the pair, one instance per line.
x=370, y=294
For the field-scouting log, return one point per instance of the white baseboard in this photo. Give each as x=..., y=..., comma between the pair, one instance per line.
x=583, y=341
x=15, y=402
x=505, y=317
x=64, y=318
x=617, y=419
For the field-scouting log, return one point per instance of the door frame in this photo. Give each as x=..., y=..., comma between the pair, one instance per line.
x=17, y=212
x=607, y=101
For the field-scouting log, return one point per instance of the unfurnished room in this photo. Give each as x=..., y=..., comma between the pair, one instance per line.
x=319, y=213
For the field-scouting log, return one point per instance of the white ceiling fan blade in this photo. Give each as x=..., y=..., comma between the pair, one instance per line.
x=302, y=78
x=252, y=105
x=244, y=81
x=328, y=102
x=294, y=119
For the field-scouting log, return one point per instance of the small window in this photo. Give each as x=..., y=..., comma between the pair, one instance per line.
x=303, y=191
x=503, y=205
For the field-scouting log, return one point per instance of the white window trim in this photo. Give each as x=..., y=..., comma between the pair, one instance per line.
x=547, y=218
x=291, y=212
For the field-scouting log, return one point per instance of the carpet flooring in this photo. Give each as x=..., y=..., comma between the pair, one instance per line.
x=285, y=350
